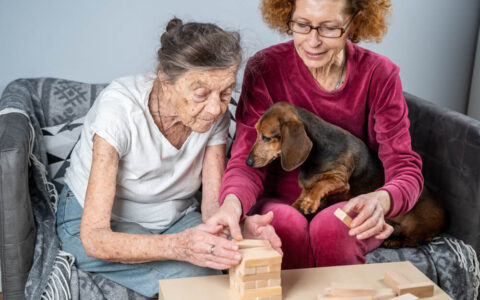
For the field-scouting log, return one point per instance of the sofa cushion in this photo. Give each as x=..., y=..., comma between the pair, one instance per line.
x=17, y=229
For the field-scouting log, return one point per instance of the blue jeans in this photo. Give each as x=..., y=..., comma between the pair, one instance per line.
x=142, y=277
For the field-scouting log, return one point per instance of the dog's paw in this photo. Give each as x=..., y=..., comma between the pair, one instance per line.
x=297, y=204
x=391, y=243
x=402, y=243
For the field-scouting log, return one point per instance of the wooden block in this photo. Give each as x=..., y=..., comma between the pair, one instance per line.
x=419, y=289
x=260, y=257
x=248, y=271
x=248, y=285
x=244, y=244
x=274, y=282
x=261, y=276
x=277, y=297
x=273, y=268
x=384, y=294
x=320, y=297
x=262, y=269
x=350, y=290
x=405, y=297
x=343, y=216
x=261, y=283
x=262, y=292
x=394, y=279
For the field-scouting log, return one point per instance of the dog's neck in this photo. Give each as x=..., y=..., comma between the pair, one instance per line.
x=318, y=130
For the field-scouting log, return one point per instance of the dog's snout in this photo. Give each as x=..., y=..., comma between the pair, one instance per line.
x=249, y=161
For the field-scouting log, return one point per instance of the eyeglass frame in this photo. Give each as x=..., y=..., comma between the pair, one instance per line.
x=343, y=28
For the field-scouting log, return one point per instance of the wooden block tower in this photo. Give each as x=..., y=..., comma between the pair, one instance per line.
x=257, y=277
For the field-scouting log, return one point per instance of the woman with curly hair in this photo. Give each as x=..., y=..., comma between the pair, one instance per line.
x=324, y=71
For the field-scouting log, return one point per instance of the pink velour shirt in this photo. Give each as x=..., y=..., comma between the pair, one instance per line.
x=370, y=105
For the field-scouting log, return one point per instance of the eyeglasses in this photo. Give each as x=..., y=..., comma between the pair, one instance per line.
x=325, y=31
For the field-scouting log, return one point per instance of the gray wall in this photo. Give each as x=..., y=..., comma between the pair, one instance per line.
x=433, y=41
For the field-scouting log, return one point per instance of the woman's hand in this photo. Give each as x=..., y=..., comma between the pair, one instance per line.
x=201, y=246
x=228, y=216
x=258, y=227
x=371, y=209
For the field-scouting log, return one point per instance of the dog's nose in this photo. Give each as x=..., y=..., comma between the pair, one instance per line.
x=249, y=161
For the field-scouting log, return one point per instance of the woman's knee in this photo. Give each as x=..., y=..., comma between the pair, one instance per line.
x=331, y=244
x=287, y=220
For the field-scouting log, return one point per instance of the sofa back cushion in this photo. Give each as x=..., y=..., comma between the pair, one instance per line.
x=449, y=144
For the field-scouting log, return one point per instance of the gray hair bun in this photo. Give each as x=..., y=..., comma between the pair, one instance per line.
x=174, y=23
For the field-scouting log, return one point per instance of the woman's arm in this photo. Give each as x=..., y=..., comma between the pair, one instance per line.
x=100, y=241
x=388, y=126
x=212, y=171
x=243, y=181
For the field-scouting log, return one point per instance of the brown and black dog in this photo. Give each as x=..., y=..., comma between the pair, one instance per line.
x=335, y=166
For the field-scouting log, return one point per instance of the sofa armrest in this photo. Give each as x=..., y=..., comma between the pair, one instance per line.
x=17, y=227
x=449, y=144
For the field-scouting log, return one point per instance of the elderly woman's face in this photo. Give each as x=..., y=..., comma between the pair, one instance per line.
x=201, y=97
x=317, y=51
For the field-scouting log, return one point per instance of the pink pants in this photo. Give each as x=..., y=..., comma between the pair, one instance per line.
x=324, y=241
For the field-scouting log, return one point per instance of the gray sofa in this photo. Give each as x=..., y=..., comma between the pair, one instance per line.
x=33, y=266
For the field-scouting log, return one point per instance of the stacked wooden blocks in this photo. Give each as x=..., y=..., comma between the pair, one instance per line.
x=257, y=277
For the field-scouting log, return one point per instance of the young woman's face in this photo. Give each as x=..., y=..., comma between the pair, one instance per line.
x=201, y=97
x=317, y=51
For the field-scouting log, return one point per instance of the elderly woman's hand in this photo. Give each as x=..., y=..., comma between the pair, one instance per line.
x=258, y=227
x=371, y=209
x=228, y=216
x=201, y=246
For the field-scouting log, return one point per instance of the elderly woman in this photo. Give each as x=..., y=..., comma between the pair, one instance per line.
x=324, y=71
x=128, y=210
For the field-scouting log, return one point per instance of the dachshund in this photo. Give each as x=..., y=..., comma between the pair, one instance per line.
x=335, y=166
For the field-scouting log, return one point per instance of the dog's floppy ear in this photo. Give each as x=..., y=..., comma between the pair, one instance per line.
x=296, y=145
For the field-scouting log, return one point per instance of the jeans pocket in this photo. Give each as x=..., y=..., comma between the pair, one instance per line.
x=72, y=215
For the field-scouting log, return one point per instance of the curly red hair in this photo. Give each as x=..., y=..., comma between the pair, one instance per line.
x=370, y=23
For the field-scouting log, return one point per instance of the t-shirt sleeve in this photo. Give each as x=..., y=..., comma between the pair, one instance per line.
x=220, y=130
x=111, y=121
x=389, y=115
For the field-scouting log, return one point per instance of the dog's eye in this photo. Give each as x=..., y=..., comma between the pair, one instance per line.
x=266, y=139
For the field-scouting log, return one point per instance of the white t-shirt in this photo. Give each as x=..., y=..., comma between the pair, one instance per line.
x=155, y=181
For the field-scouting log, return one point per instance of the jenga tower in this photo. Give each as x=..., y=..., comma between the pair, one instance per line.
x=257, y=277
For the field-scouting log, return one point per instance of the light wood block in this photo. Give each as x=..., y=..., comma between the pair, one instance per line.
x=260, y=257
x=384, y=294
x=262, y=276
x=241, y=285
x=274, y=282
x=248, y=243
x=350, y=290
x=262, y=292
x=276, y=297
x=394, y=279
x=263, y=269
x=419, y=289
x=261, y=284
x=320, y=297
x=273, y=268
x=343, y=217
x=405, y=297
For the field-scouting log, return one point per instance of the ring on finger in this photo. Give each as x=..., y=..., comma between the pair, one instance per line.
x=212, y=248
